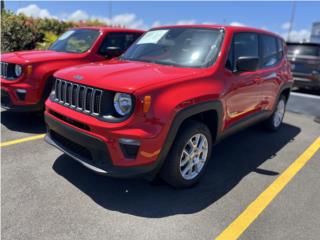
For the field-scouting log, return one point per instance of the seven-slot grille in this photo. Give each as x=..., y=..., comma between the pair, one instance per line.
x=5, y=73
x=79, y=97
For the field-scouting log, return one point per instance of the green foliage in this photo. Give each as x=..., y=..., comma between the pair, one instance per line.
x=18, y=32
x=52, y=25
x=49, y=38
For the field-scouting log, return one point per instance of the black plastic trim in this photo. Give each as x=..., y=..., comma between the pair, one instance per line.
x=102, y=162
x=6, y=103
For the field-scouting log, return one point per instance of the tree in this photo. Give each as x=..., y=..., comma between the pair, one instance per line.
x=18, y=32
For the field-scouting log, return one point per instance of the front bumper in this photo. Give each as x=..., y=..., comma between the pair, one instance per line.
x=12, y=100
x=90, y=151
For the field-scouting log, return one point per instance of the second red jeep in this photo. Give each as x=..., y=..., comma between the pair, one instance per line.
x=27, y=76
x=167, y=99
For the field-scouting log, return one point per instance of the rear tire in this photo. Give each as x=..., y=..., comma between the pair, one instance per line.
x=274, y=122
x=189, y=155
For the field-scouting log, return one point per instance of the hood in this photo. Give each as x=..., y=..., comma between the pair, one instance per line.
x=126, y=76
x=23, y=57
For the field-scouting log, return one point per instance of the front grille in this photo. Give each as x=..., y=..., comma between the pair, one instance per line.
x=71, y=146
x=7, y=70
x=80, y=97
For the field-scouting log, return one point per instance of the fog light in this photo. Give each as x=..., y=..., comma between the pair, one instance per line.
x=21, y=93
x=21, y=90
x=129, y=147
x=129, y=141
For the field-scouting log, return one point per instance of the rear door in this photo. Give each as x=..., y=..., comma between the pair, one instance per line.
x=244, y=96
x=271, y=69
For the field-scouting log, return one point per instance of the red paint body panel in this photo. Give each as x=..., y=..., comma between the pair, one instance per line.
x=45, y=63
x=172, y=89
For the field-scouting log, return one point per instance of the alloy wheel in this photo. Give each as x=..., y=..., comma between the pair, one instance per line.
x=279, y=113
x=193, y=156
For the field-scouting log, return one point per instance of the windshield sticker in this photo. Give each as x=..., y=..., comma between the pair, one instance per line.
x=152, y=36
x=66, y=35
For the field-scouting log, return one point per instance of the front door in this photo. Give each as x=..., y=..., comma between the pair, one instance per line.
x=244, y=94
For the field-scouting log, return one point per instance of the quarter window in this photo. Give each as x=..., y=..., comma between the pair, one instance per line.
x=280, y=49
x=230, y=60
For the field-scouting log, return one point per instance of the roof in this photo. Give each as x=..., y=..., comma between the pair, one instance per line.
x=226, y=27
x=108, y=29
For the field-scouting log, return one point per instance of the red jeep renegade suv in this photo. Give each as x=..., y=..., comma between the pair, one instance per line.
x=26, y=77
x=161, y=105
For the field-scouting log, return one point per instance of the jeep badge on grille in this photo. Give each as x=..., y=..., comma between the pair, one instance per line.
x=78, y=77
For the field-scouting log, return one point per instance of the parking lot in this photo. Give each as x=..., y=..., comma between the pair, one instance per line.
x=46, y=195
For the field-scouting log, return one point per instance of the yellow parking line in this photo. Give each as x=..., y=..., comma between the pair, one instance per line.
x=21, y=140
x=244, y=220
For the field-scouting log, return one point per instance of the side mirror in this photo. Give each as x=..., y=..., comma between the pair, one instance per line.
x=112, y=52
x=247, y=64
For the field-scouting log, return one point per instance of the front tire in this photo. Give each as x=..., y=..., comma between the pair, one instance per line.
x=189, y=155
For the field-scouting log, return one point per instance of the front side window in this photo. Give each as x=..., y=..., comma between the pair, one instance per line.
x=243, y=45
x=270, y=55
x=182, y=47
x=75, y=41
x=117, y=41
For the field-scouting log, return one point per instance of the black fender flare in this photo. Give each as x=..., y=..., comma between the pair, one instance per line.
x=47, y=88
x=284, y=87
x=179, y=118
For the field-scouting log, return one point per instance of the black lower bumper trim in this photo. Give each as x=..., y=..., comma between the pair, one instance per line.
x=6, y=103
x=88, y=150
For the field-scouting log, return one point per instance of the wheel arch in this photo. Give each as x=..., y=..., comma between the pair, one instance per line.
x=205, y=112
x=49, y=81
x=286, y=92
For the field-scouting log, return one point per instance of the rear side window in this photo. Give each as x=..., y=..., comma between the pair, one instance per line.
x=117, y=41
x=270, y=54
x=243, y=45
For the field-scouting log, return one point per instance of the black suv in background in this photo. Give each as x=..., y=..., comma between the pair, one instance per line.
x=305, y=64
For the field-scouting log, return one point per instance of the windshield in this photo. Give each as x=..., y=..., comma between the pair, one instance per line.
x=304, y=50
x=75, y=41
x=183, y=47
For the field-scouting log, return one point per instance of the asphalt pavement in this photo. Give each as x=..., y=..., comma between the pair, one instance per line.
x=46, y=195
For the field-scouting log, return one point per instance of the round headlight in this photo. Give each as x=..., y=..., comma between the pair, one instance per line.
x=18, y=70
x=122, y=103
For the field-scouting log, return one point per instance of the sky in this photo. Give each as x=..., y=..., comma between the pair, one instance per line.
x=273, y=16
